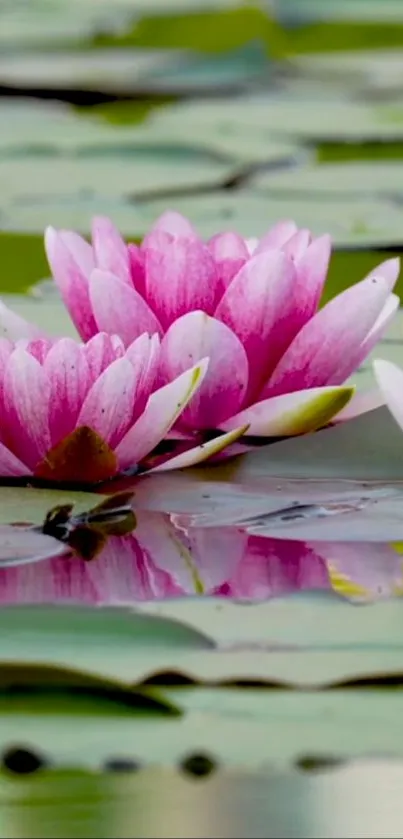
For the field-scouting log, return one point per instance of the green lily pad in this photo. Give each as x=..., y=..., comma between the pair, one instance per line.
x=249, y=729
x=307, y=640
x=47, y=22
x=86, y=70
x=31, y=505
x=372, y=72
x=336, y=180
x=300, y=112
x=95, y=641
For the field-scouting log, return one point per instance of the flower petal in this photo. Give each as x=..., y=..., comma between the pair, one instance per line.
x=39, y=347
x=332, y=335
x=200, y=453
x=118, y=308
x=109, y=405
x=100, y=351
x=230, y=254
x=349, y=365
x=312, y=267
x=259, y=307
x=26, y=401
x=180, y=276
x=161, y=412
x=292, y=413
x=297, y=245
x=216, y=553
x=10, y=465
x=174, y=224
x=277, y=236
x=65, y=264
x=390, y=381
x=144, y=356
x=69, y=376
x=110, y=250
x=125, y=572
x=272, y=567
x=137, y=267
x=195, y=336
x=168, y=549
x=389, y=270
x=362, y=571
x=80, y=250
x=14, y=327
x=6, y=348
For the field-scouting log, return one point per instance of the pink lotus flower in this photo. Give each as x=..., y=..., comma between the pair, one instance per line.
x=277, y=363
x=83, y=412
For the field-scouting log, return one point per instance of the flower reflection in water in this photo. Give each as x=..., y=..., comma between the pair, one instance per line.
x=159, y=560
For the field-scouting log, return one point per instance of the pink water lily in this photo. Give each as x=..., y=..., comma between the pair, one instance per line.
x=277, y=362
x=84, y=412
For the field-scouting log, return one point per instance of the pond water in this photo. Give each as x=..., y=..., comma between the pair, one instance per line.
x=249, y=615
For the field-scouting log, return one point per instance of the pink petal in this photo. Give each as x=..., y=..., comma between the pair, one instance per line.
x=201, y=453
x=230, y=254
x=108, y=407
x=259, y=307
x=39, y=348
x=369, y=571
x=126, y=573
x=167, y=548
x=10, y=465
x=119, y=308
x=277, y=236
x=216, y=553
x=100, y=351
x=292, y=413
x=195, y=336
x=181, y=276
x=6, y=348
x=297, y=245
x=110, y=250
x=272, y=568
x=161, y=412
x=175, y=224
x=389, y=270
x=312, y=267
x=390, y=381
x=67, y=369
x=349, y=365
x=56, y=580
x=137, y=267
x=26, y=400
x=80, y=250
x=332, y=335
x=144, y=356
x=71, y=280
x=14, y=327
